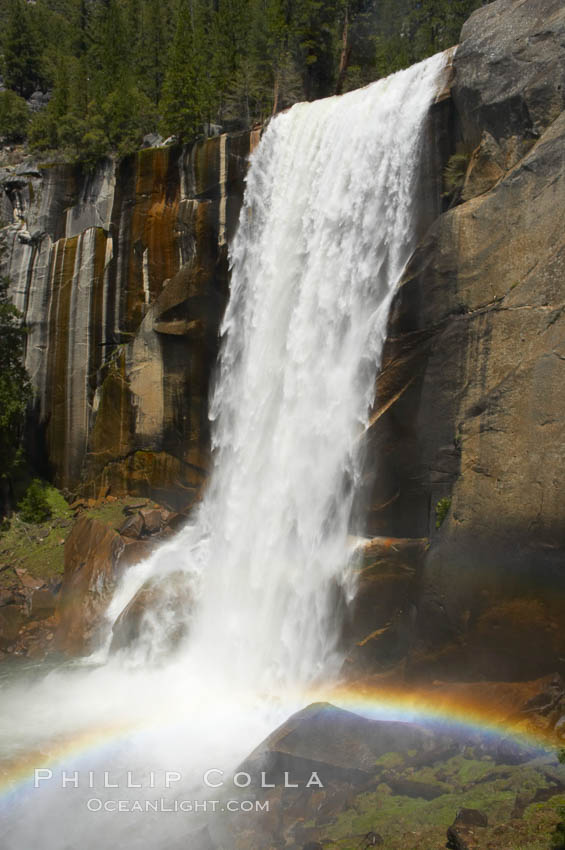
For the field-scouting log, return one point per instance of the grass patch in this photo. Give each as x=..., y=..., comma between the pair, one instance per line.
x=37, y=547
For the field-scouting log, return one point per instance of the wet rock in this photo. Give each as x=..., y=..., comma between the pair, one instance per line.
x=338, y=743
x=133, y=508
x=133, y=527
x=176, y=521
x=92, y=552
x=11, y=621
x=162, y=605
x=151, y=519
x=43, y=604
x=379, y=621
x=511, y=751
x=134, y=552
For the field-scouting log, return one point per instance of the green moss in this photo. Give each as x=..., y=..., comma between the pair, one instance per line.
x=390, y=760
x=112, y=513
x=442, y=509
x=470, y=782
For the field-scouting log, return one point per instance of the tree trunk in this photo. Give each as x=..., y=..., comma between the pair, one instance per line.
x=345, y=54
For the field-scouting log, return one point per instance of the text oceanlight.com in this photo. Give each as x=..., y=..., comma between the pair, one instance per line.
x=95, y=804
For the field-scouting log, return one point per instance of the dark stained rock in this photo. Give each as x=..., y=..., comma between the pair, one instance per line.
x=92, y=551
x=152, y=520
x=43, y=604
x=471, y=817
x=465, y=833
x=378, y=622
x=132, y=261
x=511, y=751
x=335, y=742
x=461, y=838
x=135, y=551
x=133, y=527
x=413, y=788
x=372, y=839
x=11, y=620
x=176, y=521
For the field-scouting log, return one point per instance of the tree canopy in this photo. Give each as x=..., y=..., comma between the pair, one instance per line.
x=118, y=69
x=15, y=389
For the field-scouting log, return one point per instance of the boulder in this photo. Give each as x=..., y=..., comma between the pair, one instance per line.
x=135, y=551
x=133, y=527
x=336, y=743
x=159, y=602
x=92, y=553
x=152, y=520
x=465, y=832
x=470, y=817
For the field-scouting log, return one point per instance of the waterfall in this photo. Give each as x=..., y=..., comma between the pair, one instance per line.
x=329, y=220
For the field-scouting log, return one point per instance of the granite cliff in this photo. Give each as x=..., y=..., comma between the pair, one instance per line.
x=469, y=404
x=122, y=277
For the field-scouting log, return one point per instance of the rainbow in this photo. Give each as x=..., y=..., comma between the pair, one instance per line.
x=488, y=708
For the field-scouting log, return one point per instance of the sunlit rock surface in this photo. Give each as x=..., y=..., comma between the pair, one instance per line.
x=121, y=276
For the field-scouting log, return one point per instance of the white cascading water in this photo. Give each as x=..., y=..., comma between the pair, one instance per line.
x=328, y=223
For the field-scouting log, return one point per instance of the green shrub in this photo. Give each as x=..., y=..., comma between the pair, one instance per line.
x=14, y=116
x=442, y=509
x=34, y=507
x=559, y=834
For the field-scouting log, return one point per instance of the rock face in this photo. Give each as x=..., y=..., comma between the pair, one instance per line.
x=92, y=552
x=469, y=405
x=158, y=601
x=122, y=276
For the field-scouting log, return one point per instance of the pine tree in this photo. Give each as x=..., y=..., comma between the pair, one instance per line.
x=183, y=103
x=22, y=51
x=15, y=389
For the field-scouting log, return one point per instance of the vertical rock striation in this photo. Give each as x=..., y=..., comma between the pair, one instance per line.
x=121, y=276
